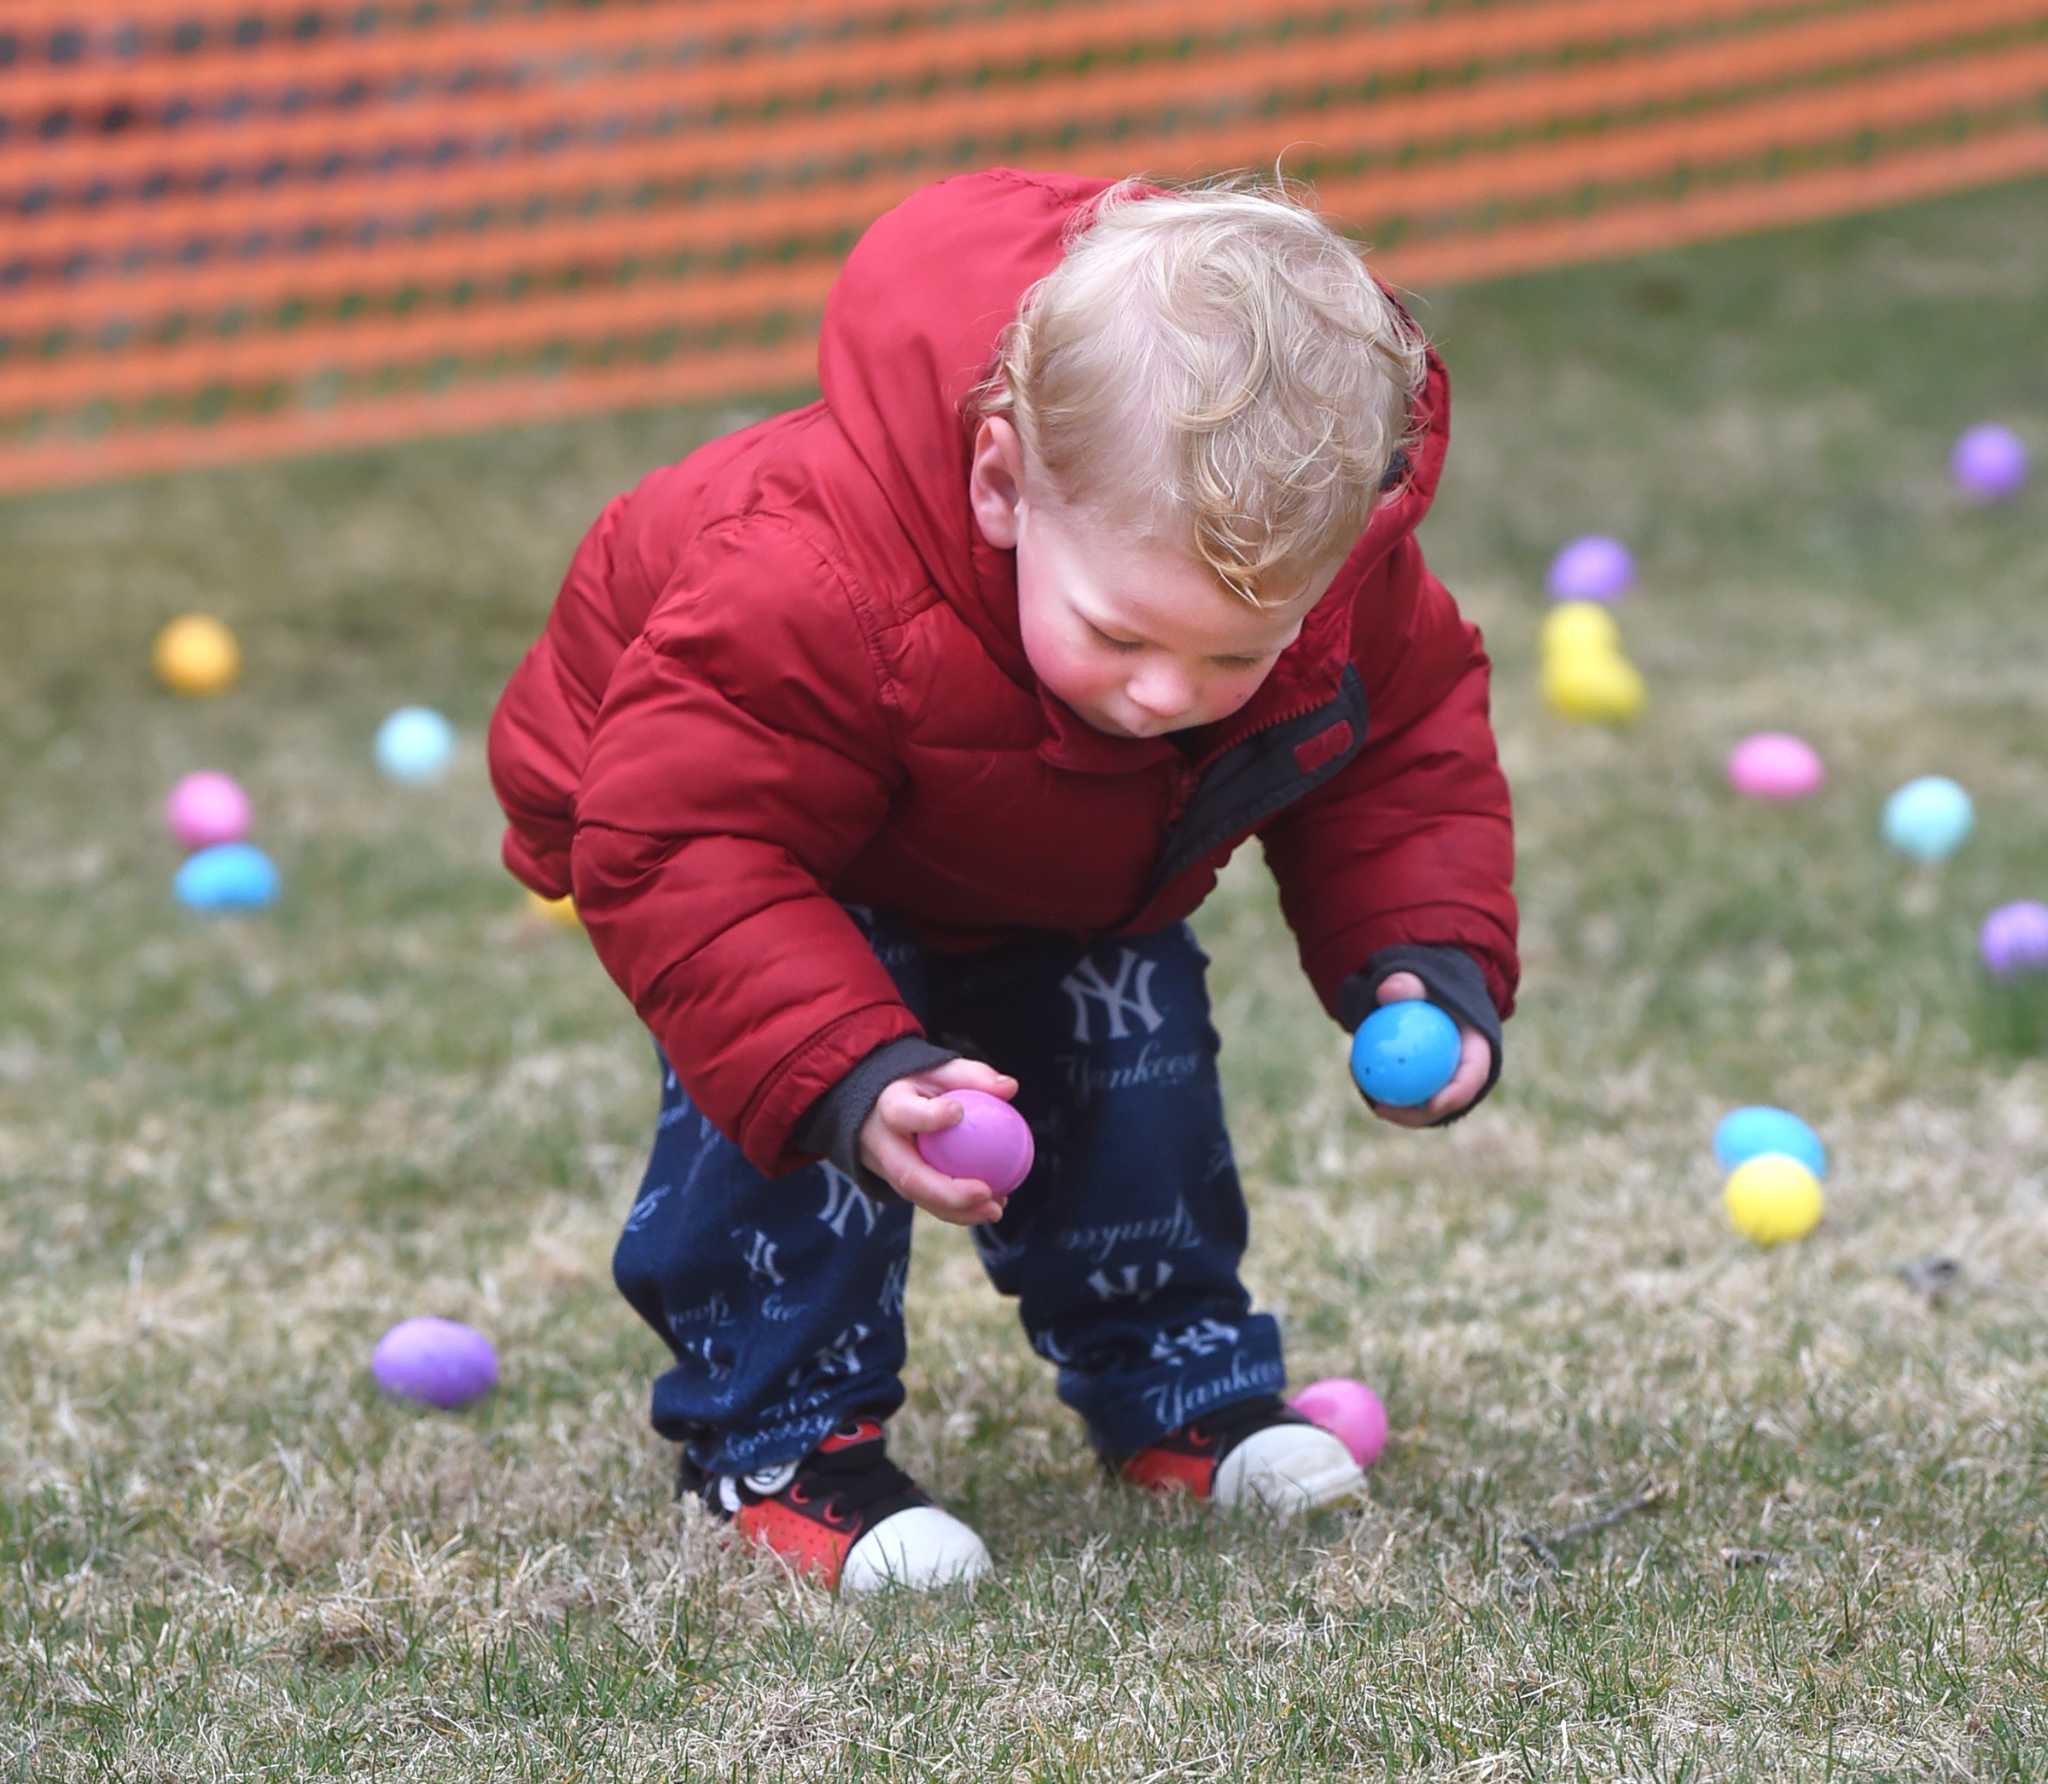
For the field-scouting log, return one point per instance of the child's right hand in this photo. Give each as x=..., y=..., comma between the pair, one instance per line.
x=918, y=1105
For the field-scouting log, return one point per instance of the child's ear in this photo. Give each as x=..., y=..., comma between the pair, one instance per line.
x=995, y=481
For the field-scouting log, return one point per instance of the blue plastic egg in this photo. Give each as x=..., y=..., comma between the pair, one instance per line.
x=1928, y=818
x=414, y=744
x=1744, y=1133
x=1404, y=1053
x=230, y=876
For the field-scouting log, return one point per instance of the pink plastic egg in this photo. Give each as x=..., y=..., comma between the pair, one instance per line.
x=1775, y=765
x=439, y=1361
x=1347, y=1409
x=990, y=1143
x=207, y=809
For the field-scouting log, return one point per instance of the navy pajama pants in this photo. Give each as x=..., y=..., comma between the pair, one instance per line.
x=782, y=1300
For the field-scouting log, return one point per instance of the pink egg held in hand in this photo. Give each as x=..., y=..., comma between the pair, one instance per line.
x=990, y=1143
x=1775, y=765
x=440, y=1361
x=1347, y=1409
x=207, y=809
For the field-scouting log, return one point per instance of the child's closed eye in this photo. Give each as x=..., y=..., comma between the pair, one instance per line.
x=1123, y=644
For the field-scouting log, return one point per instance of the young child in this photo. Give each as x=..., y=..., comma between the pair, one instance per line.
x=887, y=745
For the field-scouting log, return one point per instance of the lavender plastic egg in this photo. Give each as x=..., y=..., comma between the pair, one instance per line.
x=440, y=1362
x=2014, y=939
x=207, y=808
x=1594, y=568
x=990, y=1143
x=1775, y=765
x=1989, y=462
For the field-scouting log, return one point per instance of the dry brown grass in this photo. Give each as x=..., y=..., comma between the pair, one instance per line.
x=233, y=1154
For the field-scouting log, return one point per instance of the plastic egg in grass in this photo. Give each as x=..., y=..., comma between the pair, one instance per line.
x=439, y=1362
x=1928, y=818
x=1772, y=1198
x=1593, y=568
x=1597, y=686
x=1575, y=626
x=415, y=744
x=1744, y=1133
x=195, y=654
x=205, y=809
x=2014, y=939
x=1348, y=1409
x=1989, y=463
x=560, y=911
x=1775, y=765
x=231, y=876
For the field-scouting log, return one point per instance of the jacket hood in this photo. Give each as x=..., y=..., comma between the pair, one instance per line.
x=911, y=327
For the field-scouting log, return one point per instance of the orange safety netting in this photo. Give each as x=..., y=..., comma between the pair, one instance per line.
x=235, y=227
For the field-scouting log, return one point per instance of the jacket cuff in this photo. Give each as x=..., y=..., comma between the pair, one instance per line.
x=1450, y=978
x=831, y=1125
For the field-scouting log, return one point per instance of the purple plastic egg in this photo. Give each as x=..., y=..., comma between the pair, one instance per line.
x=991, y=1142
x=206, y=809
x=1775, y=765
x=1989, y=462
x=1594, y=568
x=2014, y=939
x=439, y=1361
x=1348, y=1409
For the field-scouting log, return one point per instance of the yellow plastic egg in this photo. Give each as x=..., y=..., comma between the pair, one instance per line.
x=1572, y=626
x=196, y=655
x=1771, y=1198
x=555, y=910
x=1599, y=685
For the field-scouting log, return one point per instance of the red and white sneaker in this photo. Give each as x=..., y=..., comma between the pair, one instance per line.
x=846, y=1515
x=1254, y=1452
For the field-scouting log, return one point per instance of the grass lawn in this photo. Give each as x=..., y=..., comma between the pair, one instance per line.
x=232, y=1153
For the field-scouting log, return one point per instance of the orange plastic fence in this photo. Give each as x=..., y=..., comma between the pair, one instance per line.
x=240, y=227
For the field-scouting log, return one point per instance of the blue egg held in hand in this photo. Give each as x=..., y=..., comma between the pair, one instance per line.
x=1404, y=1053
x=230, y=876
x=415, y=744
x=1744, y=1133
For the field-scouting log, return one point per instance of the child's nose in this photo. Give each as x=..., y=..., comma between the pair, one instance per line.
x=1162, y=690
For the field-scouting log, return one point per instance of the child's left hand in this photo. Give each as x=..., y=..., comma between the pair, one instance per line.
x=1475, y=1060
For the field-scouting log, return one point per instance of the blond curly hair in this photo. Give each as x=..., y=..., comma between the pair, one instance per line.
x=1217, y=358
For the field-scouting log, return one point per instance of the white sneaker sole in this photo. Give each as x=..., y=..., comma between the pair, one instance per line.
x=918, y=1548
x=1289, y=1469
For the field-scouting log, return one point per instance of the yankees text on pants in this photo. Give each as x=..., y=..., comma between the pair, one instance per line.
x=782, y=1300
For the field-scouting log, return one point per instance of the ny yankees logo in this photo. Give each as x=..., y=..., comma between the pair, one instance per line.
x=643, y=1209
x=1119, y=997
x=1133, y=1286
x=891, y=1300
x=716, y=1357
x=1198, y=1340
x=842, y=1196
x=1049, y=1347
x=840, y=1357
x=760, y=1255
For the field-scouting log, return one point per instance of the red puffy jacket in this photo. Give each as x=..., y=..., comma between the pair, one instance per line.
x=785, y=673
